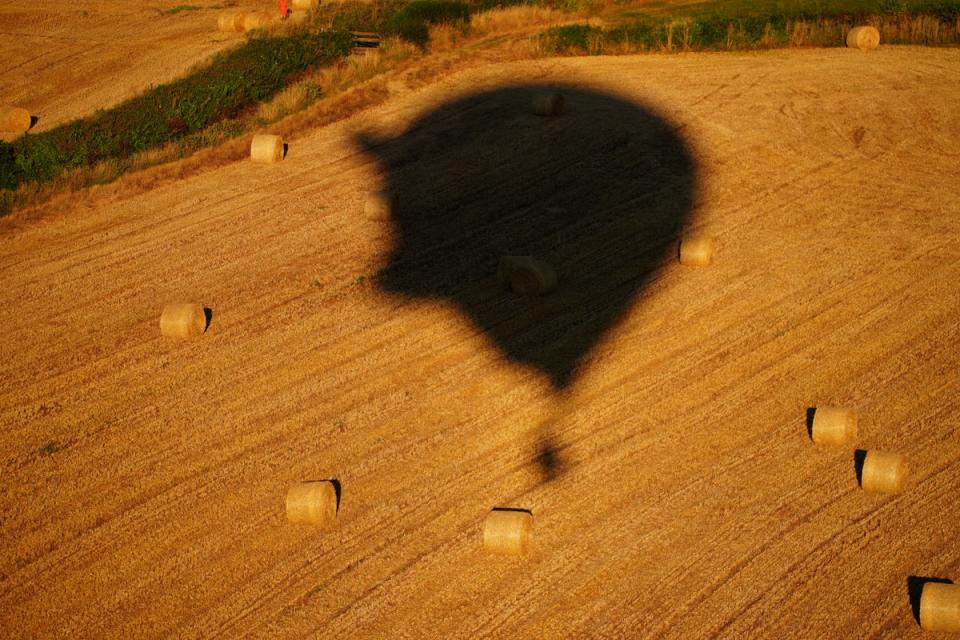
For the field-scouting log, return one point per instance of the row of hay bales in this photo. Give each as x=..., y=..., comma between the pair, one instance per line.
x=317, y=502
x=509, y=530
x=885, y=472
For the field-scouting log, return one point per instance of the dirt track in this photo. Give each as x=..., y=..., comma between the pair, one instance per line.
x=144, y=479
x=64, y=60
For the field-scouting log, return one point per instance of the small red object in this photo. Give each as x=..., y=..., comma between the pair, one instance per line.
x=283, y=9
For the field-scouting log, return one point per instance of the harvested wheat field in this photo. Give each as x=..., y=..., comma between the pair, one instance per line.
x=659, y=438
x=64, y=60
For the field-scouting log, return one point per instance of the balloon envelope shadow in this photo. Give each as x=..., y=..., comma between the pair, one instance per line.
x=599, y=192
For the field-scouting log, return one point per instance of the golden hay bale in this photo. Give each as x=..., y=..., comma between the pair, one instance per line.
x=266, y=148
x=940, y=607
x=697, y=251
x=230, y=21
x=256, y=20
x=864, y=38
x=883, y=472
x=183, y=320
x=547, y=104
x=834, y=426
x=14, y=119
x=508, y=531
x=379, y=205
x=304, y=4
x=526, y=275
x=313, y=502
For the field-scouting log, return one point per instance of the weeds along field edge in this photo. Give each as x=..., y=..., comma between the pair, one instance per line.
x=272, y=76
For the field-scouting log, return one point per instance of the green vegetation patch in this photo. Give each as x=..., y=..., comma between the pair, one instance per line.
x=407, y=20
x=413, y=21
x=807, y=9
x=233, y=82
x=736, y=25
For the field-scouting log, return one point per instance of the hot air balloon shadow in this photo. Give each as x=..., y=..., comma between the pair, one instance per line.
x=600, y=192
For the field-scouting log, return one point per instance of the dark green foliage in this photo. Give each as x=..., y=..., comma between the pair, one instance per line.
x=573, y=38
x=413, y=21
x=233, y=82
x=354, y=15
x=739, y=25
x=814, y=9
x=485, y=5
x=408, y=20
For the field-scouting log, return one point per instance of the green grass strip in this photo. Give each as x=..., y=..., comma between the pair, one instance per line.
x=231, y=83
x=712, y=31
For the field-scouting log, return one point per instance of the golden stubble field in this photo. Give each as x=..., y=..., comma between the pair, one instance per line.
x=144, y=479
x=63, y=60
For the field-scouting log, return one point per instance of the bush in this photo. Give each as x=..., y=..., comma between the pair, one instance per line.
x=412, y=22
x=233, y=82
x=407, y=20
x=486, y=5
x=354, y=15
x=712, y=30
x=573, y=38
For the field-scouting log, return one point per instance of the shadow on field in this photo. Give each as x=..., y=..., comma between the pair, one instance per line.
x=859, y=457
x=915, y=589
x=599, y=192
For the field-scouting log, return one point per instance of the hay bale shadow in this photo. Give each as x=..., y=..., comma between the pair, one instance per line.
x=915, y=590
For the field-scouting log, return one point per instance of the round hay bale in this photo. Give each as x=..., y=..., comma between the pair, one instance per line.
x=266, y=148
x=313, y=502
x=834, y=426
x=303, y=5
x=697, y=251
x=230, y=21
x=526, y=275
x=940, y=607
x=508, y=531
x=380, y=205
x=547, y=104
x=14, y=119
x=183, y=320
x=883, y=472
x=864, y=38
x=256, y=20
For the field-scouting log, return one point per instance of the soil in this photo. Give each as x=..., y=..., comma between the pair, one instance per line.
x=144, y=477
